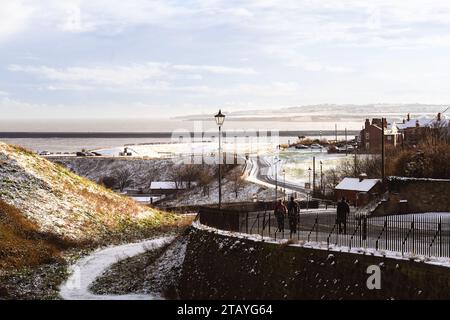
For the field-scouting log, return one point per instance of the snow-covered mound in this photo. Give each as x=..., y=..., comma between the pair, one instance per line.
x=61, y=203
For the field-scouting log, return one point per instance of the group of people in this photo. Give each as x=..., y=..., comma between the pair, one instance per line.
x=292, y=211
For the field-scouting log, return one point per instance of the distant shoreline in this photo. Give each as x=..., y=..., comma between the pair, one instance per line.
x=37, y=135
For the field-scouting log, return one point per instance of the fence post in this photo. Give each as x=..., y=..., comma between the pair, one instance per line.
x=246, y=223
x=263, y=225
x=257, y=217
x=386, y=235
x=440, y=236
x=413, y=225
x=269, y=223
x=364, y=229
x=317, y=228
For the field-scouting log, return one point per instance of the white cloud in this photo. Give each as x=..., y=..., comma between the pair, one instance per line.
x=98, y=75
x=254, y=51
x=144, y=76
x=215, y=69
x=292, y=57
x=13, y=18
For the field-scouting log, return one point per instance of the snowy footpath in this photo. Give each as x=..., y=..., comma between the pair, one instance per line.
x=88, y=269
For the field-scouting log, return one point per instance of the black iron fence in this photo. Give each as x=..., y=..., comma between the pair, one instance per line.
x=415, y=234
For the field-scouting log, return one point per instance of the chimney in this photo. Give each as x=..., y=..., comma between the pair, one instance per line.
x=439, y=117
x=362, y=176
x=408, y=117
x=367, y=124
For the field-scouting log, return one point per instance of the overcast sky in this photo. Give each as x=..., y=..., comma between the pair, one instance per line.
x=143, y=58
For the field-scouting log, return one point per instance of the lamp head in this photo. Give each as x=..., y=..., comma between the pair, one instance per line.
x=220, y=118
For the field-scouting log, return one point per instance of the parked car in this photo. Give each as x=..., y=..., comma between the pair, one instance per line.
x=44, y=153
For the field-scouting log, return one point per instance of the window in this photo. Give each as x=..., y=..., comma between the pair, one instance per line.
x=367, y=146
x=367, y=136
x=389, y=138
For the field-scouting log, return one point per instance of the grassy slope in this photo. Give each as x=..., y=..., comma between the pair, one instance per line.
x=21, y=243
x=45, y=208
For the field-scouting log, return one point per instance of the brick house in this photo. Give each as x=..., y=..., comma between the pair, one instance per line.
x=358, y=191
x=370, y=135
x=414, y=129
x=406, y=133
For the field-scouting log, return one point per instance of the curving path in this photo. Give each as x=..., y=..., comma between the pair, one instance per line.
x=85, y=271
x=260, y=171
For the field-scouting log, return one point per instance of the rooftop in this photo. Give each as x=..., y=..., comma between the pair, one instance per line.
x=355, y=184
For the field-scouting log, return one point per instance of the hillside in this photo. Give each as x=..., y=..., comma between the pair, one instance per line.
x=96, y=168
x=59, y=204
x=20, y=241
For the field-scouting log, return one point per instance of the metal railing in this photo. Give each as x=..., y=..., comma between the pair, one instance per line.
x=413, y=234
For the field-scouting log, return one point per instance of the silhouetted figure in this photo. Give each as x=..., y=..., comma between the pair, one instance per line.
x=293, y=215
x=343, y=209
x=280, y=212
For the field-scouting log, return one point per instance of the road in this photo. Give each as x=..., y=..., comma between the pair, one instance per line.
x=89, y=268
x=261, y=171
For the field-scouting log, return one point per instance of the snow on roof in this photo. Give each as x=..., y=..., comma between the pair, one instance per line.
x=163, y=185
x=391, y=127
x=354, y=184
x=423, y=122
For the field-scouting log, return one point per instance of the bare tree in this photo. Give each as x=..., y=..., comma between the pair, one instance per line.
x=237, y=181
x=190, y=174
x=124, y=178
x=149, y=177
x=108, y=182
x=204, y=179
x=176, y=175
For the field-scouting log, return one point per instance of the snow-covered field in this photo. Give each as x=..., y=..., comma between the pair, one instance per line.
x=164, y=150
x=296, y=163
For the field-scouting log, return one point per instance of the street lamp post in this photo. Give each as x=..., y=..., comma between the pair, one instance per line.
x=276, y=178
x=220, y=118
x=309, y=170
x=284, y=183
x=321, y=177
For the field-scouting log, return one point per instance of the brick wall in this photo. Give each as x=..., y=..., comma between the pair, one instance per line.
x=221, y=267
x=423, y=195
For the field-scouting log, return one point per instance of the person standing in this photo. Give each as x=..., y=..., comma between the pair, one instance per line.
x=293, y=215
x=280, y=212
x=343, y=209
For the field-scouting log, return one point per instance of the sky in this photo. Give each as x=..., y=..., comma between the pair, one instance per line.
x=155, y=58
